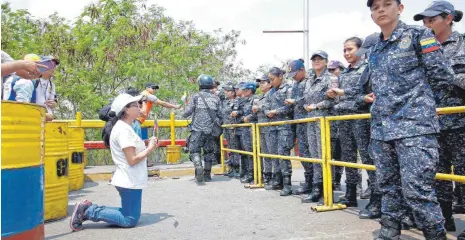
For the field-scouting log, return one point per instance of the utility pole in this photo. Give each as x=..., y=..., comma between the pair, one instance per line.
x=306, y=33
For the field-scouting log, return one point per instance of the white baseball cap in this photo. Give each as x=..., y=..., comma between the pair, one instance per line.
x=122, y=100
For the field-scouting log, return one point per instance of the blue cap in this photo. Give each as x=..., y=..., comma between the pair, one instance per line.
x=50, y=57
x=369, y=42
x=229, y=86
x=436, y=8
x=320, y=53
x=370, y=2
x=335, y=64
x=294, y=67
x=263, y=78
x=249, y=85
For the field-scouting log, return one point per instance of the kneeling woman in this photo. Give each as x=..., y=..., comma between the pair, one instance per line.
x=130, y=157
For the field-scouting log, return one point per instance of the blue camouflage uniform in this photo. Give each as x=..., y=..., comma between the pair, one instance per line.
x=269, y=165
x=229, y=133
x=315, y=93
x=452, y=136
x=246, y=137
x=239, y=108
x=404, y=122
x=354, y=134
x=201, y=139
x=298, y=91
x=281, y=136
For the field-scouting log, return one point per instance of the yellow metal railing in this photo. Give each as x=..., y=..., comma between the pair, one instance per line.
x=256, y=164
x=329, y=188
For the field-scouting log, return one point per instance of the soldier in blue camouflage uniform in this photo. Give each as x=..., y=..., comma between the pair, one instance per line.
x=228, y=133
x=297, y=72
x=236, y=115
x=317, y=105
x=258, y=110
x=201, y=139
x=245, y=113
x=283, y=134
x=404, y=122
x=439, y=17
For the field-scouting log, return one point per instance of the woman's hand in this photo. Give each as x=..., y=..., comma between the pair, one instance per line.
x=153, y=144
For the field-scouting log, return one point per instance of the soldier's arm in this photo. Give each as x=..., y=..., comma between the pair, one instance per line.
x=327, y=102
x=190, y=108
x=436, y=65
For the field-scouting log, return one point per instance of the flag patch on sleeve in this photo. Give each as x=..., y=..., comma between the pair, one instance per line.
x=429, y=45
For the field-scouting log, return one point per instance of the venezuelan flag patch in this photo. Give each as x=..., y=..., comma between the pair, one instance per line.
x=429, y=45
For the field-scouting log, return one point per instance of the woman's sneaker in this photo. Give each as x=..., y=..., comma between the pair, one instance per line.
x=78, y=215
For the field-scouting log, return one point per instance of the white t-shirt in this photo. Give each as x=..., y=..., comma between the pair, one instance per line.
x=125, y=176
x=45, y=91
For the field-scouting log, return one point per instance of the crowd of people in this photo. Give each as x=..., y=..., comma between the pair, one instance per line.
x=400, y=76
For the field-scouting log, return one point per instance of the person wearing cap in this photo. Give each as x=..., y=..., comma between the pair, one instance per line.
x=237, y=115
x=20, y=89
x=297, y=72
x=317, y=105
x=45, y=92
x=227, y=107
x=205, y=111
x=245, y=115
x=258, y=109
x=439, y=17
x=149, y=100
x=282, y=135
x=404, y=123
x=335, y=67
x=129, y=154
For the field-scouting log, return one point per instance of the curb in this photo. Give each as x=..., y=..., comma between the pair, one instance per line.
x=165, y=173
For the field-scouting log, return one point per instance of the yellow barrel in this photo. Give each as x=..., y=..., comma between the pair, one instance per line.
x=76, y=158
x=22, y=187
x=56, y=171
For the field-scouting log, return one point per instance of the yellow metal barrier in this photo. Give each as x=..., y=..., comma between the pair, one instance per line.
x=311, y=160
x=256, y=165
x=329, y=205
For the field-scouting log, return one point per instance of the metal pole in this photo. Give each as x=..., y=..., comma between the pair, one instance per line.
x=305, y=42
x=78, y=119
x=172, y=128
x=307, y=33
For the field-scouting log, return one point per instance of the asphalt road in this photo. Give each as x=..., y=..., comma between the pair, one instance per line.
x=222, y=209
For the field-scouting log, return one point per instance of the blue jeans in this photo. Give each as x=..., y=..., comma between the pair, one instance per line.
x=127, y=216
x=136, y=125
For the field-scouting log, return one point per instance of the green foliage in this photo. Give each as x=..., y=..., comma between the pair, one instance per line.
x=115, y=44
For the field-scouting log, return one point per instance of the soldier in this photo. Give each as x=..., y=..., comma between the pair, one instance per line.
x=317, y=105
x=270, y=166
x=227, y=107
x=283, y=134
x=404, y=122
x=354, y=134
x=297, y=72
x=236, y=116
x=201, y=139
x=245, y=112
x=439, y=17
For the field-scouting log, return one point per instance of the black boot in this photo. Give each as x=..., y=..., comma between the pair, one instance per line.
x=237, y=170
x=269, y=185
x=248, y=178
x=373, y=209
x=367, y=193
x=266, y=178
x=337, y=182
x=197, y=160
x=434, y=234
x=459, y=193
x=446, y=208
x=287, y=186
x=230, y=173
x=461, y=236
x=207, y=176
x=315, y=195
x=390, y=230
x=278, y=183
x=351, y=196
x=305, y=188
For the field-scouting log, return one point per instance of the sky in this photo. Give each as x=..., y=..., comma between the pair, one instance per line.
x=331, y=22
